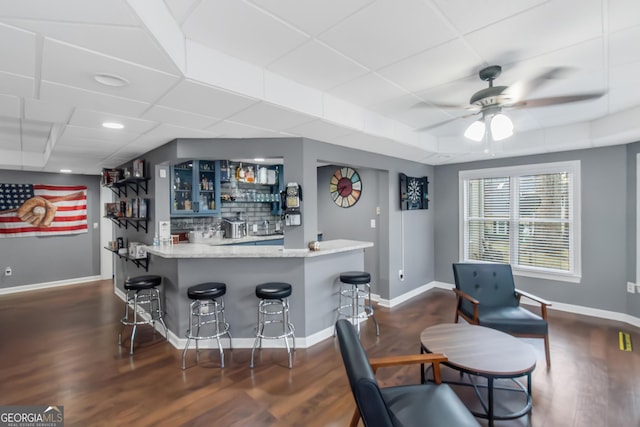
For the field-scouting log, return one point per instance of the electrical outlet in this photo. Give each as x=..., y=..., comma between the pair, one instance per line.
x=631, y=287
x=400, y=275
x=8, y=271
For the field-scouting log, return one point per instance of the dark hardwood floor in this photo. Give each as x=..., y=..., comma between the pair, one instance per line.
x=59, y=347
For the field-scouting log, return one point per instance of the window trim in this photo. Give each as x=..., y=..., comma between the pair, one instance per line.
x=572, y=167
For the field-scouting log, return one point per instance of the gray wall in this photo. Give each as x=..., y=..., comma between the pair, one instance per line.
x=633, y=301
x=353, y=223
x=301, y=157
x=604, y=204
x=37, y=260
x=418, y=238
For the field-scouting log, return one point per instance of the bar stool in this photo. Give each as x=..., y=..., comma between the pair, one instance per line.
x=207, y=308
x=355, y=287
x=142, y=292
x=274, y=294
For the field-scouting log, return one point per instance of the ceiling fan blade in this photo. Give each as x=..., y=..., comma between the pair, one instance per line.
x=522, y=89
x=435, y=125
x=441, y=105
x=554, y=100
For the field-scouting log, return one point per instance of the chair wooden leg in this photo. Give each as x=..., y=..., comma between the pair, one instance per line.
x=546, y=350
x=355, y=418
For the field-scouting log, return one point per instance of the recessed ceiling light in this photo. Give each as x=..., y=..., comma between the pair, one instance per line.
x=112, y=125
x=110, y=80
x=258, y=159
x=65, y=170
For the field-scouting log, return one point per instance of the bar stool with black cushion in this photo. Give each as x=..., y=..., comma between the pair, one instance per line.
x=142, y=293
x=355, y=288
x=274, y=308
x=207, y=320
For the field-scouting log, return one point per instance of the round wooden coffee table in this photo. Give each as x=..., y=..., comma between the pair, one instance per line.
x=484, y=352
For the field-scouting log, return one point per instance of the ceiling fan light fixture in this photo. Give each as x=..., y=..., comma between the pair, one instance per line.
x=475, y=131
x=501, y=127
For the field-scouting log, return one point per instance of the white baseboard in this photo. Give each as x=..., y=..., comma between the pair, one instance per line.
x=179, y=343
x=45, y=285
x=568, y=308
x=411, y=294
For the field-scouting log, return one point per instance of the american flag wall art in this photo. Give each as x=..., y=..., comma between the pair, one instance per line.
x=42, y=210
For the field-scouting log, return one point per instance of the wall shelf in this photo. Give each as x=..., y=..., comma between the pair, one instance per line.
x=134, y=183
x=137, y=223
x=139, y=262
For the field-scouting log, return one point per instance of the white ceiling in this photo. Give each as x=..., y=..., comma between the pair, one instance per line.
x=346, y=72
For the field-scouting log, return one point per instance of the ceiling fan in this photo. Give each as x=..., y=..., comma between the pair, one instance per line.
x=490, y=101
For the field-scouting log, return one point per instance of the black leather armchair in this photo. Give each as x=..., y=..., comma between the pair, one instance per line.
x=487, y=296
x=421, y=405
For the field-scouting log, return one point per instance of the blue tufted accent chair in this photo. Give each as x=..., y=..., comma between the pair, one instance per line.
x=421, y=405
x=487, y=296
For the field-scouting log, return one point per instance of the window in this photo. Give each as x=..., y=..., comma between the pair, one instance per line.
x=526, y=216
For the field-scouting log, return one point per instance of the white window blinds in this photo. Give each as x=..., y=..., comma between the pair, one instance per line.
x=523, y=216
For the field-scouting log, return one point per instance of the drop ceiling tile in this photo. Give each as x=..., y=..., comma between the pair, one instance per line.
x=320, y=130
x=367, y=90
x=54, y=112
x=316, y=65
x=241, y=30
x=9, y=133
x=85, y=147
x=79, y=163
x=562, y=115
x=312, y=17
x=230, y=129
x=73, y=97
x=112, y=137
x=34, y=135
x=623, y=46
x=624, y=92
x=432, y=67
x=455, y=92
x=204, y=100
x=623, y=14
x=268, y=116
x=585, y=57
x=164, y=133
x=467, y=16
x=94, y=119
x=72, y=66
x=387, y=31
x=132, y=44
x=180, y=118
x=13, y=84
x=94, y=12
x=20, y=47
x=180, y=9
x=10, y=106
x=538, y=30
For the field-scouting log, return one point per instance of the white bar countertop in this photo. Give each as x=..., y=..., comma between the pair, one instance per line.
x=198, y=250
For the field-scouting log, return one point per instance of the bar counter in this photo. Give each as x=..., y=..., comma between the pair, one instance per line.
x=227, y=250
x=314, y=276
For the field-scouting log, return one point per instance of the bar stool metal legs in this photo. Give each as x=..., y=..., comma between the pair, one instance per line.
x=274, y=308
x=207, y=311
x=142, y=292
x=355, y=289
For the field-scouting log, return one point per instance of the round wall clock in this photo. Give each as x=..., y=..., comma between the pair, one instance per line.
x=345, y=187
